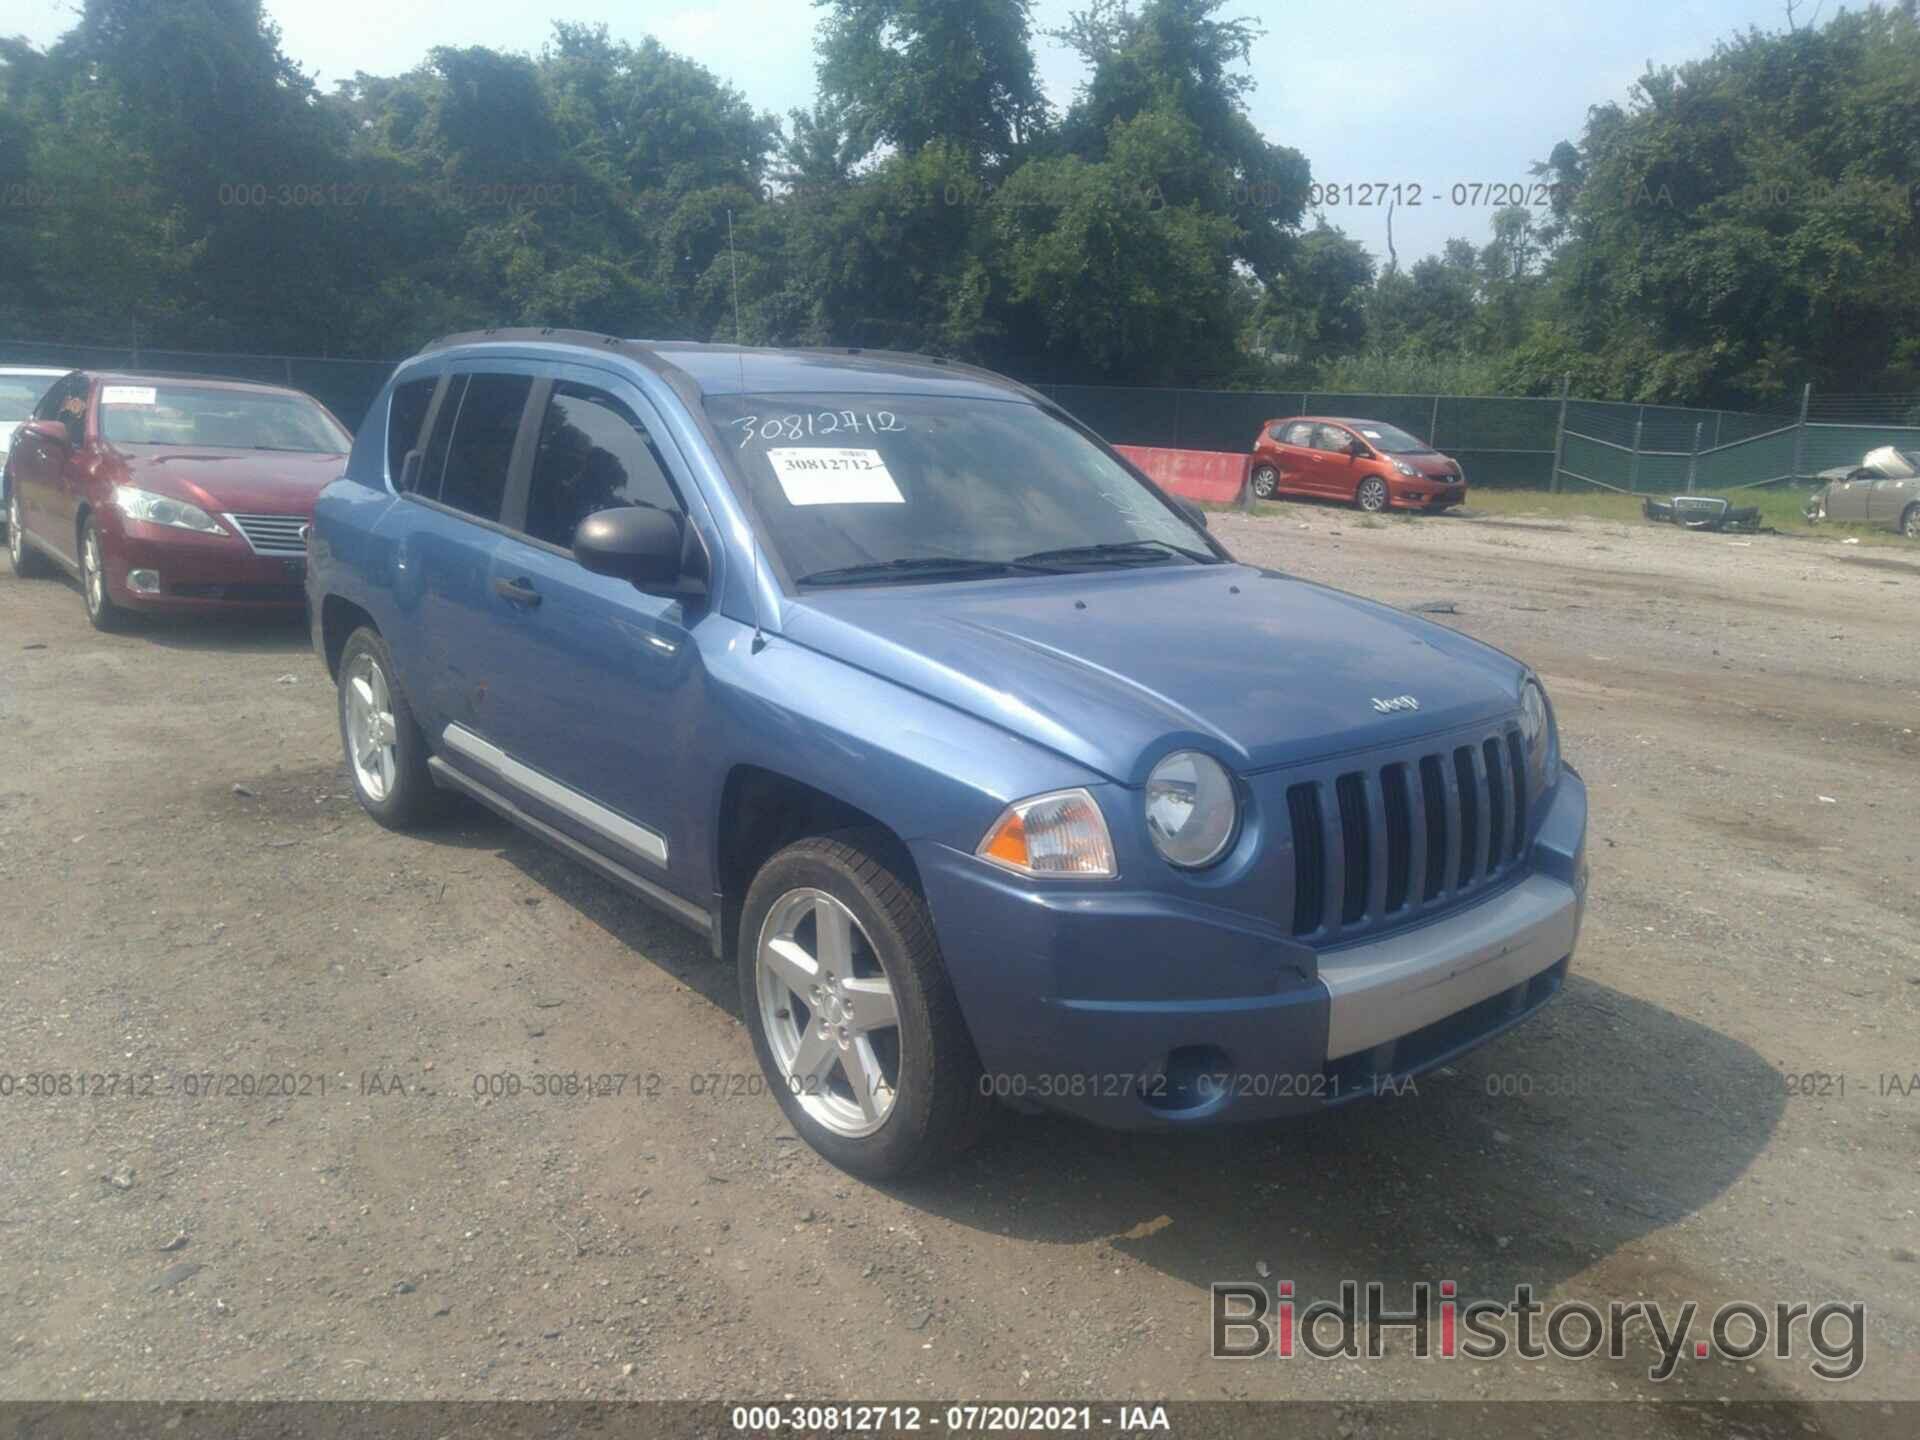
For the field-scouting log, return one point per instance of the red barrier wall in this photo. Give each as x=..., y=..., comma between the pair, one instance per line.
x=1212, y=475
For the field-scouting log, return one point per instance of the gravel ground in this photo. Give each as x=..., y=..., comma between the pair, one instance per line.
x=190, y=893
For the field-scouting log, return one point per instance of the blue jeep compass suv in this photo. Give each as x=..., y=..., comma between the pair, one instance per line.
x=995, y=774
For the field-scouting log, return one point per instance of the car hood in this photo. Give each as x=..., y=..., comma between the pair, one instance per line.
x=1115, y=669
x=239, y=482
x=1431, y=464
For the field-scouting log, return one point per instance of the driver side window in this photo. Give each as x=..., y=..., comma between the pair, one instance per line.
x=49, y=406
x=593, y=454
x=1333, y=439
x=66, y=401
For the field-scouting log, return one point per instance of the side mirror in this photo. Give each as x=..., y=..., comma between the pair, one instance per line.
x=1358, y=449
x=656, y=550
x=54, y=430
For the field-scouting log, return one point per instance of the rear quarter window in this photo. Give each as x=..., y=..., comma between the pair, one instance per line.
x=406, y=413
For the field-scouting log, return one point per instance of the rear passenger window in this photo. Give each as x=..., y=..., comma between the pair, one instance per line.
x=1299, y=435
x=475, y=475
x=593, y=454
x=406, y=412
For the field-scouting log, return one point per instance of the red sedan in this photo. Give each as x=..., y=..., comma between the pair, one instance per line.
x=170, y=494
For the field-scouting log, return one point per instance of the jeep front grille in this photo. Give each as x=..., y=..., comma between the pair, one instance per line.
x=1378, y=844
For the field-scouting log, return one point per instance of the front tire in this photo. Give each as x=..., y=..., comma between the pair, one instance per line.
x=105, y=616
x=853, y=1018
x=28, y=563
x=1266, y=480
x=1910, y=522
x=386, y=751
x=1372, y=495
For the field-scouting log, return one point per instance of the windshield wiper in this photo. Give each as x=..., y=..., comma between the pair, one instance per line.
x=913, y=567
x=1122, y=552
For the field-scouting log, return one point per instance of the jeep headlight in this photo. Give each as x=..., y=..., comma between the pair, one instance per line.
x=1538, y=734
x=1192, y=810
x=163, y=510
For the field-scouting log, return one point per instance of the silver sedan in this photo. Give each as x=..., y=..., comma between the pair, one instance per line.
x=1883, y=489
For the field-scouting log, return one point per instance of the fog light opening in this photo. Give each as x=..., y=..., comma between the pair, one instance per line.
x=1193, y=1077
x=144, y=582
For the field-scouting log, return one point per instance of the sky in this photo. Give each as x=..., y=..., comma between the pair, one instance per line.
x=1423, y=94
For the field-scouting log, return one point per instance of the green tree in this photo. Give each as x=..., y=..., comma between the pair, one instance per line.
x=907, y=73
x=1748, y=220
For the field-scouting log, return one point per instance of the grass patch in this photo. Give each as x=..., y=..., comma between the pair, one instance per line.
x=1779, y=508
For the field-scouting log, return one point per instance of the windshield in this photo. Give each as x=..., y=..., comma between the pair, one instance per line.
x=1389, y=439
x=846, y=483
x=217, y=418
x=20, y=393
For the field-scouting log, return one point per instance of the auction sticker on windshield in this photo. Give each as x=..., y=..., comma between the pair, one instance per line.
x=834, y=477
x=127, y=395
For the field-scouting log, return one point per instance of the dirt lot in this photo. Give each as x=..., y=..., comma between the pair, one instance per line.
x=190, y=892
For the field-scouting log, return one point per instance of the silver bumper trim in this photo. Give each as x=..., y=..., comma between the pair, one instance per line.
x=1389, y=988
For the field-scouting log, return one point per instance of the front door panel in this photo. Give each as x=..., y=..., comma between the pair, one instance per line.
x=600, y=690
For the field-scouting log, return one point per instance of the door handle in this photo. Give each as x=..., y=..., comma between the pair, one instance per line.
x=520, y=592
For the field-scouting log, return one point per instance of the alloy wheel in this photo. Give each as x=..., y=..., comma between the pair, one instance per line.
x=1373, y=493
x=1265, y=481
x=372, y=737
x=94, y=571
x=828, y=1012
x=15, y=545
x=1911, y=529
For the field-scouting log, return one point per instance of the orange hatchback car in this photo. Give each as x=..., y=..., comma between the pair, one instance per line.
x=1374, y=466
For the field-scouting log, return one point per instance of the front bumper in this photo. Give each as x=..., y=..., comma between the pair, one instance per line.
x=197, y=573
x=1426, y=494
x=1138, y=1009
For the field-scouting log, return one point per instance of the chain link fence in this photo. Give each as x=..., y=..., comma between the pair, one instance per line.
x=1525, y=442
x=1503, y=442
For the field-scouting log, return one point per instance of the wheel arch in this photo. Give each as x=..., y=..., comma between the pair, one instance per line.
x=339, y=618
x=761, y=812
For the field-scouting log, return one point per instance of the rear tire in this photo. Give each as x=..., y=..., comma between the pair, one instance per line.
x=105, y=616
x=385, y=749
x=841, y=975
x=28, y=563
x=1372, y=495
x=1266, y=480
x=1910, y=522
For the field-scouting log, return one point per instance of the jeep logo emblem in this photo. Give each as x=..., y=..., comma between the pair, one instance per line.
x=1396, y=702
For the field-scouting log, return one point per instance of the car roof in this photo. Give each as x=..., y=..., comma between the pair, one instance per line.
x=223, y=382
x=698, y=369
x=1331, y=420
x=32, y=370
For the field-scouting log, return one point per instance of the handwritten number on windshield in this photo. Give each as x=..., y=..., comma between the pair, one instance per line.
x=816, y=424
